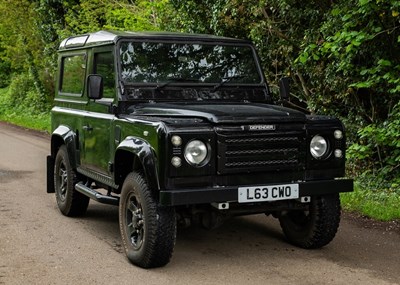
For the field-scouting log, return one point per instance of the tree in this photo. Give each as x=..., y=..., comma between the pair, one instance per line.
x=20, y=42
x=356, y=54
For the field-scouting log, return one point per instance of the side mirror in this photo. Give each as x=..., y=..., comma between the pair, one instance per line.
x=284, y=88
x=95, y=86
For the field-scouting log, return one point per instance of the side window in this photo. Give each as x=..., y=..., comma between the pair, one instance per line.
x=73, y=74
x=104, y=65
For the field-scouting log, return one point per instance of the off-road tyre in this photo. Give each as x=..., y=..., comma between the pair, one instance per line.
x=148, y=231
x=316, y=227
x=70, y=202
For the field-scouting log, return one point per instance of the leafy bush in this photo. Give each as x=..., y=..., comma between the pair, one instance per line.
x=378, y=152
x=23, y=95
x=21, y=115
x=21, y=85
x=4, y=74
x=352, y=65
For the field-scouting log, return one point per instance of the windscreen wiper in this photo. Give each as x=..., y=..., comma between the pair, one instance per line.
x=226, y=80
x=176, y=79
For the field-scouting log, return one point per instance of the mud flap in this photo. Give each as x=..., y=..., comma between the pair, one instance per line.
x=50, y=174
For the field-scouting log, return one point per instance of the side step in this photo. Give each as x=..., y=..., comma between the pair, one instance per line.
x=93, y=194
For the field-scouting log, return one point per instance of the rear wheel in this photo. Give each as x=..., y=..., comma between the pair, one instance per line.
x=315, y=227
x=69, y=201
x=148, y=231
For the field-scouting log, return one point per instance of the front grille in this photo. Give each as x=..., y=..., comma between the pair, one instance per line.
x=260, y=152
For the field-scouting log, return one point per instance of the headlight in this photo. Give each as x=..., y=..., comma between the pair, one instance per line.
x=318, y=147
x=196, y=152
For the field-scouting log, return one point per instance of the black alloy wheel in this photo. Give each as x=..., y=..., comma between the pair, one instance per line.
x=148, y=230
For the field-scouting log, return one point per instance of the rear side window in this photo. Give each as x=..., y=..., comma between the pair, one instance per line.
x=73, y=74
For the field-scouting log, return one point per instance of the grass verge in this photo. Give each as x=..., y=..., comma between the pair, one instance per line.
x=39, y=122
x=380, y=205
x=23, y=117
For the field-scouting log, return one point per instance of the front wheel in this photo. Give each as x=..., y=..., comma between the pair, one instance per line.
x=148, y=231
x=315, y=227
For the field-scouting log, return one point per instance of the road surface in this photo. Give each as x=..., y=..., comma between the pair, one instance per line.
x=40, y=246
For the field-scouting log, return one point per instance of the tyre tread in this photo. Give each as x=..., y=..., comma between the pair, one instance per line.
x=76, y=203
x=161, y=231
x=323, y=227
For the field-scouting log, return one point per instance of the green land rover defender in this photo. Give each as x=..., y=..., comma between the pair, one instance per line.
x=174, y=128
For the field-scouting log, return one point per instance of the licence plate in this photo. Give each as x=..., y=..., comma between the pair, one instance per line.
x=268, y=193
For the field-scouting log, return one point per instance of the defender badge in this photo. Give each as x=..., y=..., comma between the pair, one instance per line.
x=262, y=127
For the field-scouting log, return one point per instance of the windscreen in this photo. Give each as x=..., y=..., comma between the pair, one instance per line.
x=155, y=62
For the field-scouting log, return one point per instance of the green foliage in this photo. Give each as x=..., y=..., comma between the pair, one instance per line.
x=356, y=53
x=22, y=95
x=21, y=115
x=78, y=17
x=21, y=44
x=380, y=205
x=343, y=58
x=142, y=16
x=4, y=73
x=40, y=122
x=377, y=153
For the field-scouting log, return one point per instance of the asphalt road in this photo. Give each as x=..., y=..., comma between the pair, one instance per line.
x=40, y=246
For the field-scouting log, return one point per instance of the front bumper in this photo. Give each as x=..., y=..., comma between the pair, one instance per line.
x=230, y=194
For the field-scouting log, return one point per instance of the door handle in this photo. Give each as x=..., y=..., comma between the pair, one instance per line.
x=87, y=128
